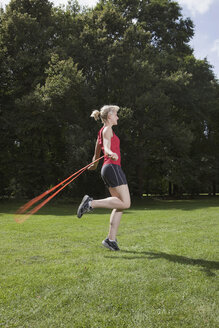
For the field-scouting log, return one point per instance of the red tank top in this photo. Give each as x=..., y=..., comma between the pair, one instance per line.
x=115, y=147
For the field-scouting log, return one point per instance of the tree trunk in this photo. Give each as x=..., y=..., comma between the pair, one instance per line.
x=140, y=180
x=214, y=188
x=170, y=189
x=175, y=190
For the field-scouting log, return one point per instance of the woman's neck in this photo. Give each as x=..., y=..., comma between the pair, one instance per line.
x=108, y=124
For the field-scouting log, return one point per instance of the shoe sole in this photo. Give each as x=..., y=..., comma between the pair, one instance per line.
x=79, y=214
x=108, y=246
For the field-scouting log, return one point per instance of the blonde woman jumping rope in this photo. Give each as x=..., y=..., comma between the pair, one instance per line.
x=111, y=173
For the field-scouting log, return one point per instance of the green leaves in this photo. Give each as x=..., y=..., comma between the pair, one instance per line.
x=60, y=63
x=63, y=80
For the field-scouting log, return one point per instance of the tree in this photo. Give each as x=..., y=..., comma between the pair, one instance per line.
x=26, y=37
x=141, y=46
x=57, y=64
x=52, y=125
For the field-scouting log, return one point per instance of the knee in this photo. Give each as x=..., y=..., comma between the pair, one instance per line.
x=126, y=204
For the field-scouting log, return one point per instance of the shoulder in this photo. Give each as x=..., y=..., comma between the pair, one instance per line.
x=100, y=131
x=107, y=132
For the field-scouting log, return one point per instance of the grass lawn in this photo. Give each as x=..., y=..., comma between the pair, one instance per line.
x=55, y=273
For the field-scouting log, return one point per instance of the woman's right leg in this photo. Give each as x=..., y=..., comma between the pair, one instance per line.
x=120, y=199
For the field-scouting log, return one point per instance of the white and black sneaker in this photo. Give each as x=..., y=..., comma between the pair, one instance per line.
x=84, y=206
x=112, y=245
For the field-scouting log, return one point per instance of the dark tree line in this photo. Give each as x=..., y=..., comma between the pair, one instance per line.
x=57, y=64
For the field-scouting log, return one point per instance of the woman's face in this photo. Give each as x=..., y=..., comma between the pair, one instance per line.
x=113, y=117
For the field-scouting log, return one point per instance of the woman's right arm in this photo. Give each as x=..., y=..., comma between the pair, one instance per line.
x=107, y=135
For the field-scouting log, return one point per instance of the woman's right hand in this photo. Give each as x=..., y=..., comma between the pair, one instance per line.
x=113, y=156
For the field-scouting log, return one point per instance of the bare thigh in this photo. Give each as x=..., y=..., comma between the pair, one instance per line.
x=121, y=192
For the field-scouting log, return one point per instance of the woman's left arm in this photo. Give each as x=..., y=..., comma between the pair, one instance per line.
x=97, y=152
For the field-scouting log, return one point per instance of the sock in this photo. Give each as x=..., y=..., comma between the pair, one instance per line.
x=89, y=203
x=111, y=240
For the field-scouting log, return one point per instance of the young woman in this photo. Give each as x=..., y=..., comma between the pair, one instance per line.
x=111, y=173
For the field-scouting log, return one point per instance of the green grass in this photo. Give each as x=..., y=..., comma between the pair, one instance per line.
x=54, y=272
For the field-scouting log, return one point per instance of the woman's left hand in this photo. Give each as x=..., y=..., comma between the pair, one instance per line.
x=92, y=167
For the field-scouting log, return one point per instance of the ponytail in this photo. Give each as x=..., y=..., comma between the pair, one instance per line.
x=95, y=114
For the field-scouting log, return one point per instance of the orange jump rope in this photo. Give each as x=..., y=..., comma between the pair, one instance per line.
x=22, y=214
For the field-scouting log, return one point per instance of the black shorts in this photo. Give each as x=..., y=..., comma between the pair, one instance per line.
x=113, y=175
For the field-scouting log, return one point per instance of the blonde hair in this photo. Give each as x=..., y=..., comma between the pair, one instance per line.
x=104, y=111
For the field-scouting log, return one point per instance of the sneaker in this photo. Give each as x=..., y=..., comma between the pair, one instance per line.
x=84, y=206
x=112, y=245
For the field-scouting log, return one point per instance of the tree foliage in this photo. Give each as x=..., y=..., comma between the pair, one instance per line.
x=57, y=64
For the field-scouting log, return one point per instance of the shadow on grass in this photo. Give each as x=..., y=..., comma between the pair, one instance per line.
x=207, y=266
